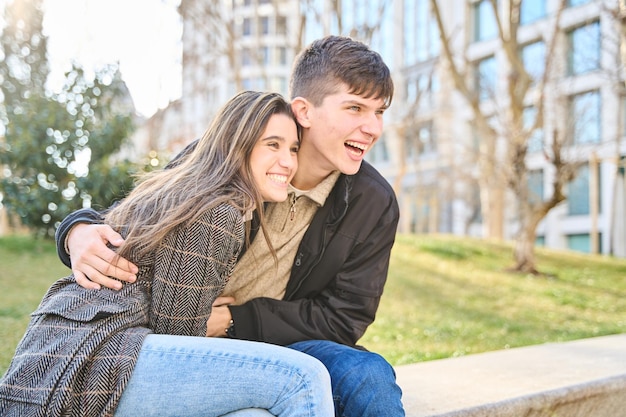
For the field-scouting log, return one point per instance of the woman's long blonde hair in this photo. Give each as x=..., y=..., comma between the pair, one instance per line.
x=216, y=171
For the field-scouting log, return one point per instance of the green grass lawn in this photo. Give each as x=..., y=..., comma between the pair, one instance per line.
x=446, y=296
x=27, y=268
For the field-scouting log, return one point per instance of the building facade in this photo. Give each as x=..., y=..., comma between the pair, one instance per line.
x=432, y=150
x=438, y=140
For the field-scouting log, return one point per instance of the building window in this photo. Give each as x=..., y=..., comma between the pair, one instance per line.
x=535, y=186
x=379, y=152
x=584, y=49
x=420, y=139
x=247, y=27
x=284, y=85
x=579, y=242
x=426, y=137
x=246, y=59
x=623, y=113
x=585, y=117
x=572, y=3
x=421, y=88
x=411, y=148
x=282, y=55
x=535, y=139
x=265, y=25
x=410, y=31
x=281, y=25
x=265, y=55
x=534, y=59
x=484, y=21
x=578, y=194
x=485, y=78
x=421, y=210
x=421, y=34
x=532, y=10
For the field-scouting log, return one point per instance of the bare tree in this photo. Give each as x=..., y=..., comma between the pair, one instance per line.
x=617, y=12
x=215, y=24
x=620, y=14
x=506, y=133
x=332, y=18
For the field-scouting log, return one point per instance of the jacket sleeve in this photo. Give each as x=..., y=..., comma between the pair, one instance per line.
x=88, y=215
x=345, y=306
x=191, y=268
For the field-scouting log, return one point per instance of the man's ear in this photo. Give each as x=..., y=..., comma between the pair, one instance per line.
x=301, y=107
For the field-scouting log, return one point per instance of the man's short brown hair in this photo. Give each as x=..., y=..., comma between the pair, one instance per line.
x=329, y=62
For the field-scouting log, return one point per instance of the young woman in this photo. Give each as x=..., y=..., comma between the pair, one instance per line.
x=131, y=352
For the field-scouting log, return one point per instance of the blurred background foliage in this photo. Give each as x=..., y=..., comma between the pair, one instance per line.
x=59, y=150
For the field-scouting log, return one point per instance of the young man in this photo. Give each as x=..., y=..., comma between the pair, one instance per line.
x=332, y=237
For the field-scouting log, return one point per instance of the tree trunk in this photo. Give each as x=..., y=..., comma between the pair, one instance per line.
x=525, y=251
x=492, y=206
x=621, y=15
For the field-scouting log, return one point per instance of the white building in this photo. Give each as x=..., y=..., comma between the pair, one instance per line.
x=428, y=148
x=585, y=100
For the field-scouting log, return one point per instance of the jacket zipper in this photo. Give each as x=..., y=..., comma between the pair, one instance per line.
x=292, y=209
x=324, y=243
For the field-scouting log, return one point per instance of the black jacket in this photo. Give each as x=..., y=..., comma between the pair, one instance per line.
x=338, y=274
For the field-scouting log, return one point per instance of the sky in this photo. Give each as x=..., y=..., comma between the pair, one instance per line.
x=144, y=36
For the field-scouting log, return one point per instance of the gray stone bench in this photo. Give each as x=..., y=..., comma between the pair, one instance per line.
x=582, y=378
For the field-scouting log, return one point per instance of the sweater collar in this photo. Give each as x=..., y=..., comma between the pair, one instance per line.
x=320, y=192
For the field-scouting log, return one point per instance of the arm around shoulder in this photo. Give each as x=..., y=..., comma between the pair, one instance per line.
x=87, y=215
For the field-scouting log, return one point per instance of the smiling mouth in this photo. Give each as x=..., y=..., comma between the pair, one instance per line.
x=281, y=179
x=355, y=148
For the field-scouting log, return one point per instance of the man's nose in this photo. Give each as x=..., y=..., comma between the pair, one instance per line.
x=373, y=126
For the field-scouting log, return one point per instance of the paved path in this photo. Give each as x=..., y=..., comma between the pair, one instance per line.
x=582, y=378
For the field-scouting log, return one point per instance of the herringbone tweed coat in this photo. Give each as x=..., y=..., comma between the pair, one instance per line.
x=80, y=348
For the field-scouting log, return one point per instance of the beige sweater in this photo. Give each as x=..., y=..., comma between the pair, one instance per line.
x=256, y=274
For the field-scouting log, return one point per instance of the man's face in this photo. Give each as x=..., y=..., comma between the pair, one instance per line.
x=342, y=130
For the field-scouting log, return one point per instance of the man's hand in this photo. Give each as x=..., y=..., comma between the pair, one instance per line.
x=220, y=317
x=93, y=263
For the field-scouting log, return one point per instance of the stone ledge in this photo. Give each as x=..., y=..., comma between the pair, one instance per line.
x=582, y=378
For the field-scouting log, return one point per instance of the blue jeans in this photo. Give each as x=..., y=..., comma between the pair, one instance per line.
x=197, y=376
x=363, y=383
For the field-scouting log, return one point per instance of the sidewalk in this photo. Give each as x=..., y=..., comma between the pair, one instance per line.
x=582, y=378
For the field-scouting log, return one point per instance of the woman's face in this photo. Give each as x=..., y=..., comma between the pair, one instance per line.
x=274, y=158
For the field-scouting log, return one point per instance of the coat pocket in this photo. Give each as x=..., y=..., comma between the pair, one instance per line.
x=69, y=300
x=70, y=324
